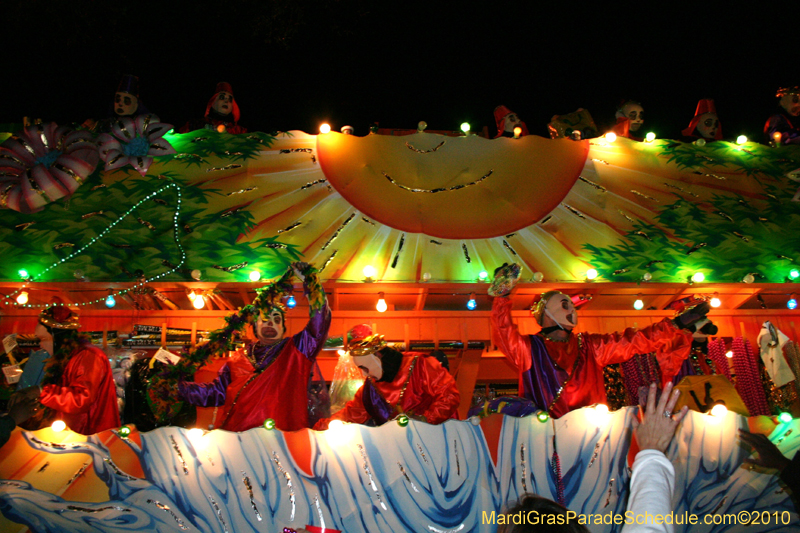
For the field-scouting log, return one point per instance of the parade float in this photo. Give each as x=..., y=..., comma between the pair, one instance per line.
x=168, y=233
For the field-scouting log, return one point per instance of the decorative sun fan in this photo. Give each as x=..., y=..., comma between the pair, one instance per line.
x=407, y=205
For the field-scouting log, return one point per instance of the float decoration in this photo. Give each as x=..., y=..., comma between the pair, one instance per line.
x=42, y=164
x=392, y=478
x=135, y=142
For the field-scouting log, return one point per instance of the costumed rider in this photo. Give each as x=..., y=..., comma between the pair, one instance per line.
x=630, y=117
x=397, y=383
x=270, y=378
x=560, y=371
x=222, y=113
x=506, y=121
x=78, y=387
x=784, y=126
x=704, y=126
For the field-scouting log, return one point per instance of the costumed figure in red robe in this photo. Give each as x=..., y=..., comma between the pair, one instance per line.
x=630, y=117
x=506, y=121
x=222, y=113
x=560, y=371
x=270, y=378
x=704, y=124
x=784, y=126
x=397, y=383
x=78, y=386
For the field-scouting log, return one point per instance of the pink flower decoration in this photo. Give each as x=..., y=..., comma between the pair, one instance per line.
x=42, y=164
x=136, y=142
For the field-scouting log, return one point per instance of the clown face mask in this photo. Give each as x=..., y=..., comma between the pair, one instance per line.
x=560, y=310
x=269, y=329
x=635, y=115
x=224, y=103
x=510, y=122
x=791, y=103
x=125, y=104
x=370, y=365
x=708, y=125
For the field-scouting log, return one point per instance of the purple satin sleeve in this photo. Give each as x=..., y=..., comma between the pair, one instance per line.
x=206, y=394
x=377, y=408
x=686, y=370
x=541, y=382
x=310, y=341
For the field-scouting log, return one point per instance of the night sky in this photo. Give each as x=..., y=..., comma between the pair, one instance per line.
x=294, y=64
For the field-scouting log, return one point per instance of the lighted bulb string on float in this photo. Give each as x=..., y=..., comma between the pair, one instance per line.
x=94, y=240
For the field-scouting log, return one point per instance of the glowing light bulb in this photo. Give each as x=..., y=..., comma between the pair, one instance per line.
x=638, y=304
x=601, y=408
x=336, y=425
x=794, y=273
x=196, y=274
x=58, y=426
x=591, y=274
x=124, y=431
x=700, y=142
x=369, y=271
x=22, y=298
x=650, y=137
x=199, y=302
x=483, y=275
x=471, y=303
x=698, y=277
x=715, y=301
x=192, y=295
x=402, y=421
x=291, y=302
x=792, y=303
x=381, y=305
x=719, y=410
x=777, y=137
x=221, y=128
x=741, y=139
x=465, y=127
x=325, y=128
x=269, y=424
x=542, y=416
x=729, y=354
x=255, y=275
x=426, y=276
x=517, y=132
x=194, y=434
x=23, y=273
x=785, y=417
x=611, y=136
x=110, y=301
x=749, y=278
x=647, y=276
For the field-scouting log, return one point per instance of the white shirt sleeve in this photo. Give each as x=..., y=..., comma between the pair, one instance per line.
x=652, y=486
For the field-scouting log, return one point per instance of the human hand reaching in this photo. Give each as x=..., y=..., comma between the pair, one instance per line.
x=659, y=423
x=769, y=456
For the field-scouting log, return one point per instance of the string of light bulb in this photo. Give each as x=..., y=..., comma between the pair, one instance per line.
x=22, y=299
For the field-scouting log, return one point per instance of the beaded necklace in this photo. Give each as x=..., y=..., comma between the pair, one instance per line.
x=397, y=408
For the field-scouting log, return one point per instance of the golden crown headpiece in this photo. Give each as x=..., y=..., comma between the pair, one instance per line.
x=783, y=91
x=367, y=346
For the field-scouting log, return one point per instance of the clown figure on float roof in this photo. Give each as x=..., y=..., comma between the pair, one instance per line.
x=269, y=379
x=630, y=118
x=222, y=113
x=705, y=123
x=784, y=126
x=558, y=370
x=506, y=121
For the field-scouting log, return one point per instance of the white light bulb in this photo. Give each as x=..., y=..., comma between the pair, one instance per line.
x=369, y=271
x=58, y=426
x=199, y=302
x=719, y=410
x=611, y=136
x=381, y=306
x=22, y=298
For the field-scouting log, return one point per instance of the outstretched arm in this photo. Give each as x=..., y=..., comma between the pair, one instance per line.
x=310, y=341
x=211, y=394
x=506, y=336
